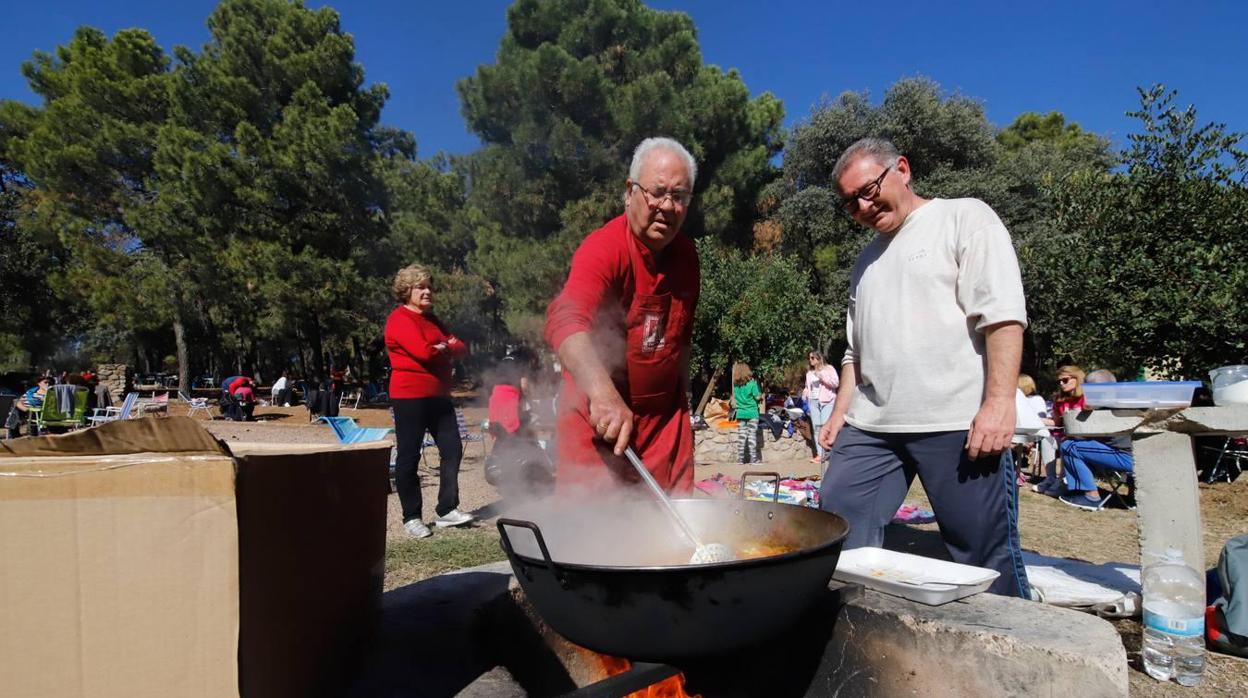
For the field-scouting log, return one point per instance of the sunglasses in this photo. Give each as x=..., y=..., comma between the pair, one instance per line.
x=1066, y=379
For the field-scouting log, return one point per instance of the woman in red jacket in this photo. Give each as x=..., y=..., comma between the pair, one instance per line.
x=421, y=353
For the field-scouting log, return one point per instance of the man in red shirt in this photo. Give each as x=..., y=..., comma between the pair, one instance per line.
x=622, y=327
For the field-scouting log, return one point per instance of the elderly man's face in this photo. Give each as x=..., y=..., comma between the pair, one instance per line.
x=659, y=199
x=876, y=195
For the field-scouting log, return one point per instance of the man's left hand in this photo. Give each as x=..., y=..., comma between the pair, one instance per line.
x=991, y=430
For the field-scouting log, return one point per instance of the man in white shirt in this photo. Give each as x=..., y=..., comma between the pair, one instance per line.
x=281, y=391
x=935, y=334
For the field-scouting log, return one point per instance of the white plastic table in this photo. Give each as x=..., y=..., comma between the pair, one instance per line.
x=1166, y=492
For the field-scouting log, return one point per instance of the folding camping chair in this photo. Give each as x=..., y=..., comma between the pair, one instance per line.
x=195, y=404
x=351, y=398
x=465, y=436
x=1228, y=459
x=127, y=410
x=50, y=416
x=348, y=432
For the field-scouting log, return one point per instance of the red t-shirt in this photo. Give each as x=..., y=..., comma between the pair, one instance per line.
x=417, y=368
x=638, y=310
x=1066, y=404
x=504, y=407
x=604, y=279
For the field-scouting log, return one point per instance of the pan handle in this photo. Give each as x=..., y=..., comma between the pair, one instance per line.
x=775, y=493
x=541, y=544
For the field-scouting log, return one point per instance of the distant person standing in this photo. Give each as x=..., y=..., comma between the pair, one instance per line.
x=421, y=353
x=820, y=396
x=746, y=399
x=934, y=328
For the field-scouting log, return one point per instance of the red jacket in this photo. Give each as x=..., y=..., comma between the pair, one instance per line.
x=417, y=368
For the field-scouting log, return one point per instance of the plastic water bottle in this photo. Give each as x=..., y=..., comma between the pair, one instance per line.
x=1174, y=620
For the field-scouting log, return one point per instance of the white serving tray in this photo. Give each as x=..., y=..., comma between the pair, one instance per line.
x=913, y=577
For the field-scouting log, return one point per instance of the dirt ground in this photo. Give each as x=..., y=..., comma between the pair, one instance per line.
x=1048, y=527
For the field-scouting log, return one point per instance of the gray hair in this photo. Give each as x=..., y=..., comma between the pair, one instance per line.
x=1100, y=375
x=880, y=150
x=661, y=143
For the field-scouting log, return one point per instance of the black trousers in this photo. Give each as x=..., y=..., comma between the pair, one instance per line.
x=412, y=418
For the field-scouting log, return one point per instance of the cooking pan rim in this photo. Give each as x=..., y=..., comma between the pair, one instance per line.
x=728, y=565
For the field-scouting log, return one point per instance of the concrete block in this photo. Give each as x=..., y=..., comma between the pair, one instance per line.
x=984, y=645
x=1167, y=497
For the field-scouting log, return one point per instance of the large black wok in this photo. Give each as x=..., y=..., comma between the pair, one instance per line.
x=671, y=611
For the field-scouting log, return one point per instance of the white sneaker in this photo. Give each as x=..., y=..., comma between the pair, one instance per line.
x=454, y=517
x=417, y=529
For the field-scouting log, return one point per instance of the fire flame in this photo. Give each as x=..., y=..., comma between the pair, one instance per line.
x=671, y=687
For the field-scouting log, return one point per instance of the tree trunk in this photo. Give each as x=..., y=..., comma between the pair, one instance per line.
x=710, y=388
x=303, y=353
x=184, y=359
x=360, y=366
x=318, y=355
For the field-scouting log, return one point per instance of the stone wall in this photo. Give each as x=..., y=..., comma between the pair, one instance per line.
x=720, y=445
x=118, y=379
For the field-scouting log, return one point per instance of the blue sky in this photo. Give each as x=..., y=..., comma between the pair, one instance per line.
x=1083, y=59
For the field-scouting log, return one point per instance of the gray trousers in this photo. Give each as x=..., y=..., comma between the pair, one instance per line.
x=975, y=502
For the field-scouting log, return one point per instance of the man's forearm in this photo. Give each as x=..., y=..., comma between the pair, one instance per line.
x=845, y=393
x=578, y=355
x=1004, y=346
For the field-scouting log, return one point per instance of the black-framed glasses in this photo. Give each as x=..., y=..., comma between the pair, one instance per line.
x=868, y=191
x=679, y=197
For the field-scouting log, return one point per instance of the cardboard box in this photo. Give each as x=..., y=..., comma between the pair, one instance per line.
x=145, y=558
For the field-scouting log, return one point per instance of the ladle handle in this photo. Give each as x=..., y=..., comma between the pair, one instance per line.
x=659, y=494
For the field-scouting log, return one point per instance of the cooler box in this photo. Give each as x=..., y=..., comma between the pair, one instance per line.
x=1140, y=395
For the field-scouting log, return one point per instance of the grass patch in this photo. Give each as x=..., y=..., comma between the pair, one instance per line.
x=410, y=560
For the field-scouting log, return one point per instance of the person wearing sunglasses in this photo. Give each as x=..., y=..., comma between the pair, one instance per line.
x=934, y=328
x=1069, y=396
x=622, y=327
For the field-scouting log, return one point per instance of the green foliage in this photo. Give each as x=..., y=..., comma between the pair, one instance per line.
x=758, y=309
x=954, y=152
x=1146, y=264
x=88, y=153
x=1030, y=127
x=237, y=196
x=29, y=310
x=576, y=86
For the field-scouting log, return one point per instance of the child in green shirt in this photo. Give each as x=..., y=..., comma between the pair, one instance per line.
x=746, y=400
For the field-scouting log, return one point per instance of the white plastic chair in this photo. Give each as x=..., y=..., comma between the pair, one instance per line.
x=195, y=404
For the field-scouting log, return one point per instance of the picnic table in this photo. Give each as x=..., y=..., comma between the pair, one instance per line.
x=1166, y=490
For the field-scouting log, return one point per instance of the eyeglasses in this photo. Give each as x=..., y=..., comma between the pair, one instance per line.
x=1066, y=379
x=869, y=191
x=678, y=197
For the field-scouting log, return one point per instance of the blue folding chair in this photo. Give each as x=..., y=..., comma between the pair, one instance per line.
x=348, y=432
x=465, y=436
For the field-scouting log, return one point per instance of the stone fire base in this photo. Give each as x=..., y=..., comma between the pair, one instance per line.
x=469, y=634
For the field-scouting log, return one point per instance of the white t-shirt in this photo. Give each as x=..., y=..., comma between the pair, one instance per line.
x=279, y=385
x=919, y=300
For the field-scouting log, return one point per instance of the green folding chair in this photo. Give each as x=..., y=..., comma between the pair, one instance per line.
x=50, y=415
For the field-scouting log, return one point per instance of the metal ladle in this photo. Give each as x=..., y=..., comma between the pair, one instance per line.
x=703, y=554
